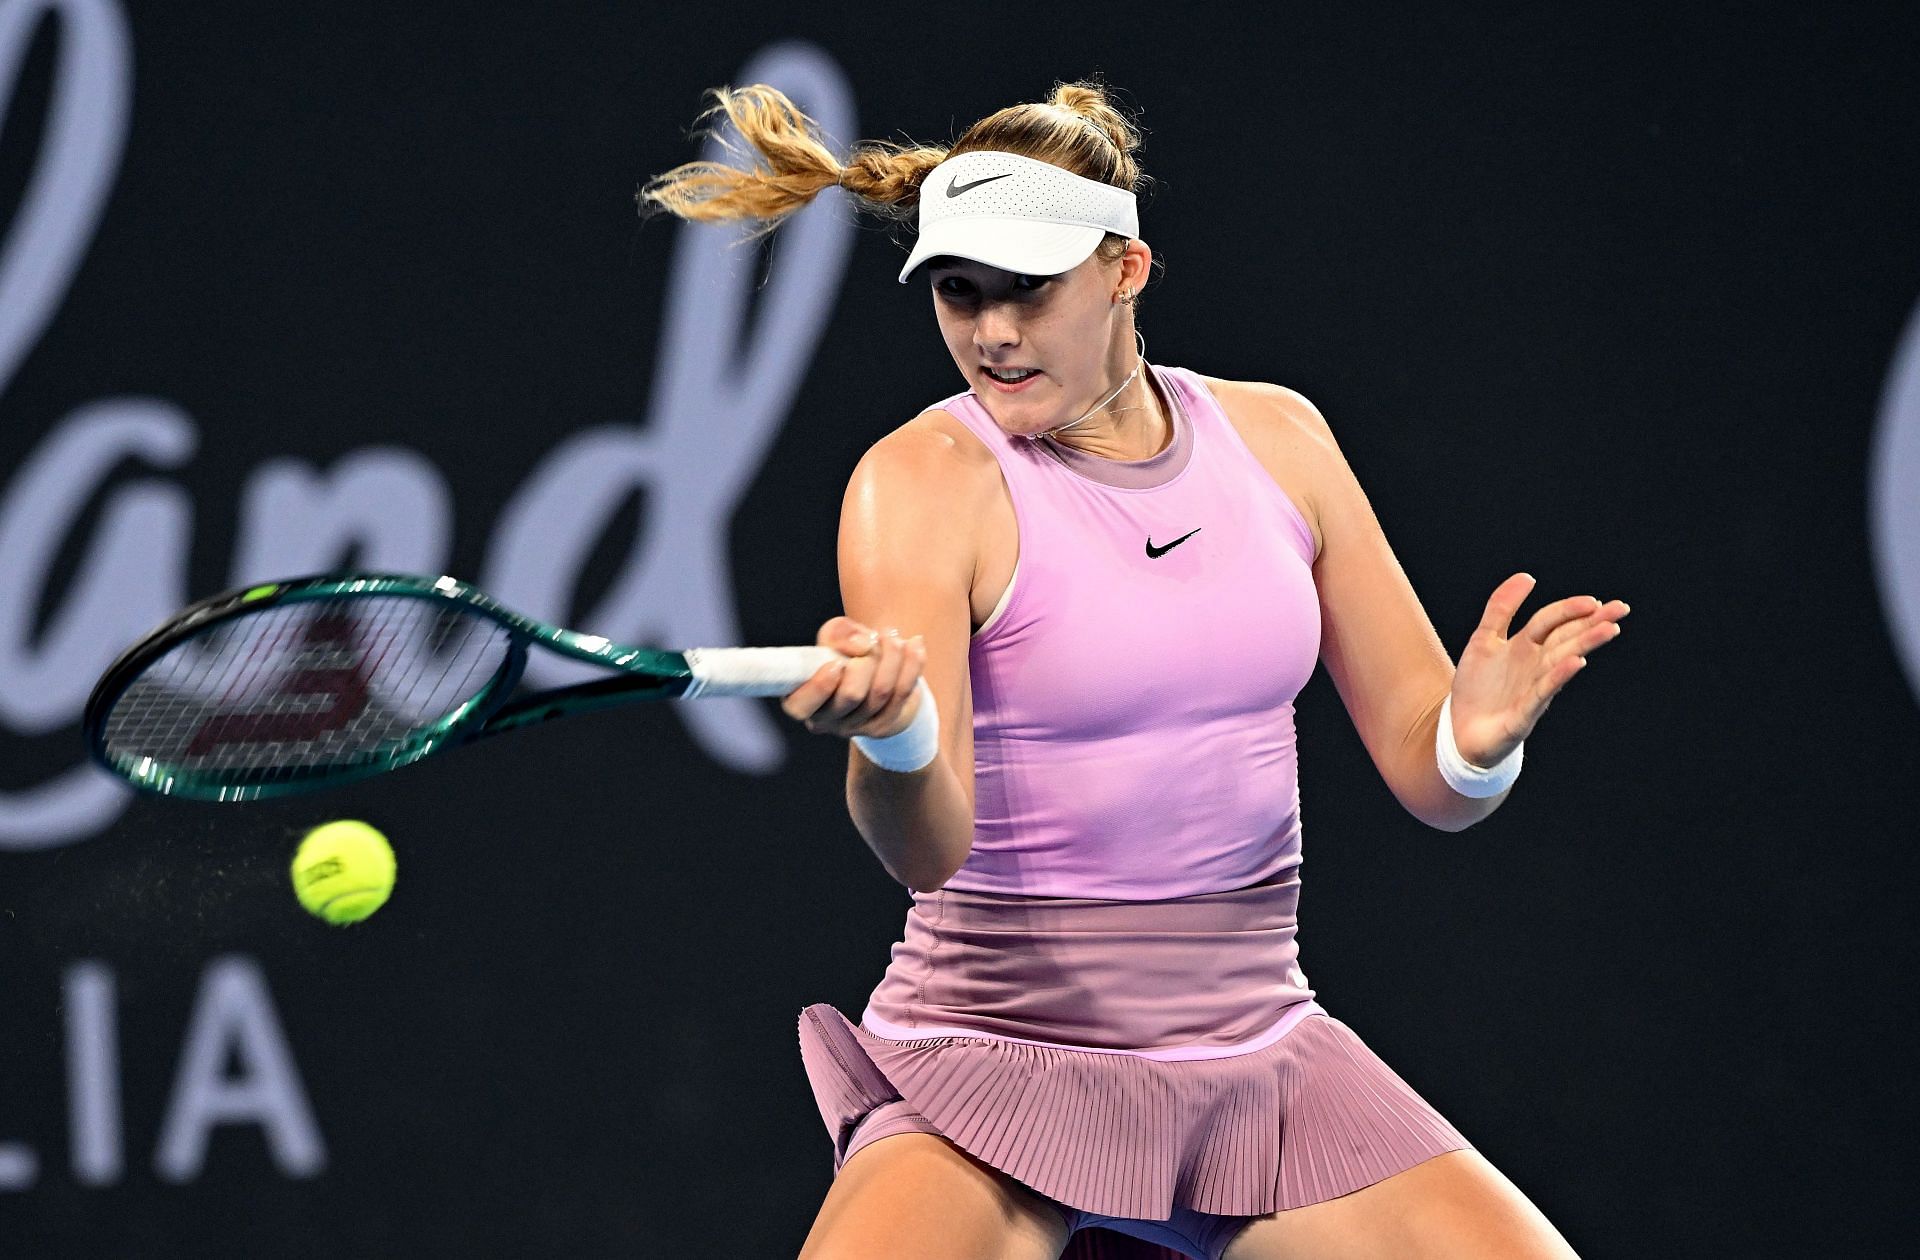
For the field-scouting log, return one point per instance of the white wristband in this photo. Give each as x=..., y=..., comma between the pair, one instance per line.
x=911, y=749
x=1462, y=775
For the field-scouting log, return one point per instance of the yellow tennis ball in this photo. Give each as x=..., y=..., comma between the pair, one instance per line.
x=343, y=871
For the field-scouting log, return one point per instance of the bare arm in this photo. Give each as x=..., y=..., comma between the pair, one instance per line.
x=1381, y=650
x=1389, y=666
x=906, y=556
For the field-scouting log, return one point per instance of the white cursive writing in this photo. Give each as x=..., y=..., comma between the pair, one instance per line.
x=725, y=386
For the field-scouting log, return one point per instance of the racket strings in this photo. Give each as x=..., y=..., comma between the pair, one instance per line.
x=306, y=686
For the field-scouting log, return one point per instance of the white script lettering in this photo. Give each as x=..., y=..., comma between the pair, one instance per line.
x=725, y=387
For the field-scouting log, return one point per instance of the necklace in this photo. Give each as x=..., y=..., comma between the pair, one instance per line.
x=1138, y=362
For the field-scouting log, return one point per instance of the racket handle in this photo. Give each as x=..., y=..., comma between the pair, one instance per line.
x=752, y=671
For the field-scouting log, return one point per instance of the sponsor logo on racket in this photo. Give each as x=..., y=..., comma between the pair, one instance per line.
x=332, y=667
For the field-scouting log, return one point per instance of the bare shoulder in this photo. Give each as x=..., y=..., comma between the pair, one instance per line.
x=917, y=482
x=1289, y=437
x=933, y=453
x=1270, y=412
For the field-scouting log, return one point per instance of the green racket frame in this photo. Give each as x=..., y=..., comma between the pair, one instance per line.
x=641, y=674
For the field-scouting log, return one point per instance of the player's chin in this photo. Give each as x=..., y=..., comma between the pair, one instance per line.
x=1025, y=425
x=1024, y=416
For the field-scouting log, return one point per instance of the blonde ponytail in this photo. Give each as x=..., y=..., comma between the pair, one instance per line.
x=789, y=167
x=1078, y=128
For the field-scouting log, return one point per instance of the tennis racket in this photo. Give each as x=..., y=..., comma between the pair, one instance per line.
x=291, y=686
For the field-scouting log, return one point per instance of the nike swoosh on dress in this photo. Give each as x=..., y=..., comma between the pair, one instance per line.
x=1155, y=553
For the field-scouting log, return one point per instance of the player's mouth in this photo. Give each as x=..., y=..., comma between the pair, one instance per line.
x=1011, y=380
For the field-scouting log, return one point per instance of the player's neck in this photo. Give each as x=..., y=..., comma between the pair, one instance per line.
x=1135, y=425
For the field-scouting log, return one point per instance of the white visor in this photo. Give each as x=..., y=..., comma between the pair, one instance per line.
x=1016, y=213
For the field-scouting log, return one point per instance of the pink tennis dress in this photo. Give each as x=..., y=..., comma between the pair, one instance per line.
x=1106, y=1001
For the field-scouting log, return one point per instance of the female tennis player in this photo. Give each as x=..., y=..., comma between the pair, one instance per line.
x=1080, y=599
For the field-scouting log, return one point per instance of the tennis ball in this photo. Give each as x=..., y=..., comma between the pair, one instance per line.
x=343, y=871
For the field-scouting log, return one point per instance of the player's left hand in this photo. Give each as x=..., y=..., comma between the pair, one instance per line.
x=1502, y=685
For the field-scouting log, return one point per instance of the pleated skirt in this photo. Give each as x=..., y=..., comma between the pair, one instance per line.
x=1313, y=1116
x=1129, y=1060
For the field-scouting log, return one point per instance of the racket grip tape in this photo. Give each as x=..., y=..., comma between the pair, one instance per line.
x=752, y=671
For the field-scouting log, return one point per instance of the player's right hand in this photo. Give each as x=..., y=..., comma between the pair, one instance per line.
x=872, y=693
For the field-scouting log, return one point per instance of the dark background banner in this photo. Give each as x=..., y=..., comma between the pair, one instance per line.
x=1613, y=296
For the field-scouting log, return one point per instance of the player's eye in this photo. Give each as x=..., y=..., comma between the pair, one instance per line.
x=961, y=289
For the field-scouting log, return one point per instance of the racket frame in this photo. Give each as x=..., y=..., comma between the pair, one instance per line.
x=639, y=674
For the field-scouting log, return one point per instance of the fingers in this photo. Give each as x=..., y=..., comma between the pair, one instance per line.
x=895, y=679
x=863, y=646
x=805, y=700
x=899, y=712
x=849, y=638
x=889, y=669
x=1516, y=679
x=1548, y=627
x=875, y=691
x=1504, y=603
x=1583, y=622
x=837, y=715
x=846, y=636
x=1566, y=650
x=867, y=694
